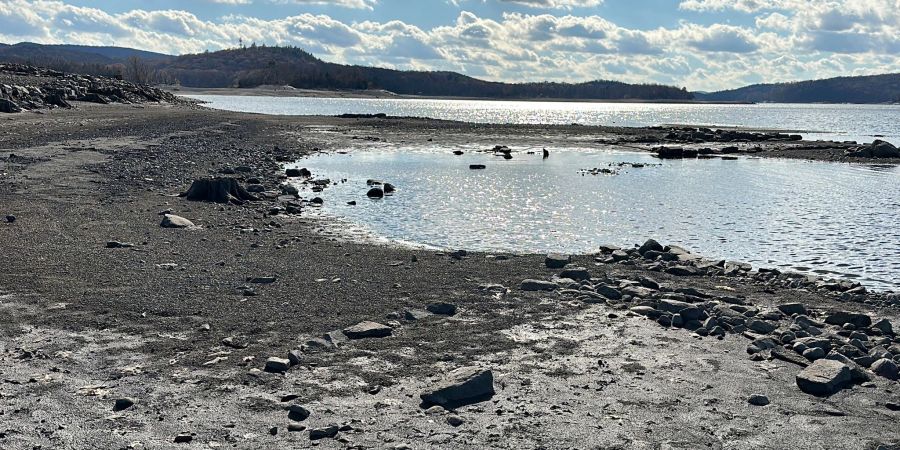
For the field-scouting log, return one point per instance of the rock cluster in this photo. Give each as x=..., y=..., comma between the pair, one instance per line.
x=877, y=149
x=58, y=89
x=697, y=135
x=852, y=346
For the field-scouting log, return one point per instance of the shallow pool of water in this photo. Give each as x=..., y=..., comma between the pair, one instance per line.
x=832, y=219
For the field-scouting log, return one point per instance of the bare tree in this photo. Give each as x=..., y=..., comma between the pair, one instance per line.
x=138, y=70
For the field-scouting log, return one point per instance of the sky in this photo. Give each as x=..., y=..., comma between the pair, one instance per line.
x=703, y=45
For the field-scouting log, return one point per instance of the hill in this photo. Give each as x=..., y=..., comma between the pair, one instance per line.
x=261, y=65
x=860, y=89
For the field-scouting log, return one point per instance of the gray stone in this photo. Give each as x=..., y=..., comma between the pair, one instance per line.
x=454, y=420
x=323, y=433
x=608, y=292
x=839, y=318
x=295, y=357
x=461, y=386
x=758, y=400
x=813, y=353
x=298, y=413
x=537, y=285
x=556, y=261
x=884, y=326
x=792, y=308
x=441, y=308
x=824, y=377
x=415, y=314
x=683, y=271
x=122, y=404
x=173, y=221
x=650, y=245
x=277, y=365
x=367, y=329
x=673, y=306
x=886, y=368
x=576, y=273
x=761, y=326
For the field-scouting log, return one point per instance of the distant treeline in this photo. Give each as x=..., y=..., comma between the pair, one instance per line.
x=862, y=89
x=260, y=65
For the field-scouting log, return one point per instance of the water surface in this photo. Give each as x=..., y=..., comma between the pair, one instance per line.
x=861, y=123
x=826, y=218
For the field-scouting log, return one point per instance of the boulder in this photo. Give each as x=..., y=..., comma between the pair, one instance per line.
x=277, y=365
x=537, y=285
x=375, y=193
x=556, y=261
x=441, y=308
x=824, y=377
x=323, y=433
x=477, y=166
x=218, y=190
x=173, y=221
x=650, y=245
x=886, y=368
x=298, y=413
x=461, y=386
x=293, y=173
x=9, y=106
x=839, y=318
x=608, y=292
x=792, y=308
x=882, y=149
x=575, y=273
x=367, y=329
x=683, y=271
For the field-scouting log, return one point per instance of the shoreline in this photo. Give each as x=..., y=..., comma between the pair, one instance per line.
x=185, y=323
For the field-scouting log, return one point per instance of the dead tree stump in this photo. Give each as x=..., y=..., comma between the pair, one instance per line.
x=218, y=190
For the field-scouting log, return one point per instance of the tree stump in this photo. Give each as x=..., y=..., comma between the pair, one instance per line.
x=218, y=190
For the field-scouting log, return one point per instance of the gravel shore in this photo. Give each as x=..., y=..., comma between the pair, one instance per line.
x=253, y=328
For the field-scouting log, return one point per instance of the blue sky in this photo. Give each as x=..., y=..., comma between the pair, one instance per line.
x=699, y=44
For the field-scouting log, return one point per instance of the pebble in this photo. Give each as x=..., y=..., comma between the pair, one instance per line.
x=10, y=218
x=298, y=413
x=758, y=400
x=277, y=365
x=324, y=432
x=455, y=420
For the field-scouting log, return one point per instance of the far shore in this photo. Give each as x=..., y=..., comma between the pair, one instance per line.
x=287, y=91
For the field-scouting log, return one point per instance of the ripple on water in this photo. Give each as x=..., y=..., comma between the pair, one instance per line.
x=814, y=217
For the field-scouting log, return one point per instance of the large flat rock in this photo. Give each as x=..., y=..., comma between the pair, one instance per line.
x=461, y=386
x=367, y=329
x=824, y=377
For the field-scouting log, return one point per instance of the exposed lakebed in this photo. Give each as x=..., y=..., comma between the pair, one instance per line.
x=824, y=218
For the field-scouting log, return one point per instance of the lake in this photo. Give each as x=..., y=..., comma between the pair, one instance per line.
x=831, y=219
x=861, y=123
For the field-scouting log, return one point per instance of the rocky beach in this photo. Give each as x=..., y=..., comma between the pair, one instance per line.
x=137, y=311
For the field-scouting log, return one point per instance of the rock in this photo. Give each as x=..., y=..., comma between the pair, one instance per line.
x=218, y=190
x=295, y=357
x=761, y=326
x=323, y=433
x=389, y=188
x=673, y=306
x=117, y=244
x=758, y=400
x=683, y=271
x=367, y=329
x=183, y=438
x=575, y=273
x=882, y=149
x=277, y=365
x=261, y=280
x=10, y=218
x=824, y=377
x=298, y=413
x=608, y=292
x=441, y=308
x=173, y=221
x=293, y=173
x=537, y=285
x=761, y=344
x=814, y=353
x=884, y=326
x=415, y=314
x=9, y=106
x=375, y=193
x=556, y=261
x=840, y=318
x=454, y=420
x=237, y=342
x=792, y=308
x=477, y=166
x=122, y=404
x=886, y=368
x=645, y=311
x=461, y=386
x=650, y=245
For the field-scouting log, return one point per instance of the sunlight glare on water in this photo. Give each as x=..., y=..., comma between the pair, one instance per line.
x=832, y=219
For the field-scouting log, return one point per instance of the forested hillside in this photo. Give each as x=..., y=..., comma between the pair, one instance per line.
x=863, y=89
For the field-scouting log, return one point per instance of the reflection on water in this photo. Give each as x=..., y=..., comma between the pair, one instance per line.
x=861, y=123
x=815, y=217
